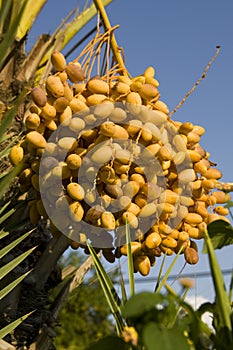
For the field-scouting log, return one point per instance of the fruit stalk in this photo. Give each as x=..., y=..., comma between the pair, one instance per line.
x=107, y=26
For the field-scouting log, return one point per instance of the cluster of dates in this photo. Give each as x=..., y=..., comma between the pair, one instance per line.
x=102, y=155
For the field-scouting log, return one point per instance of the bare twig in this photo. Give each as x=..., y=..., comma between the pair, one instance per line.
x=197, y=83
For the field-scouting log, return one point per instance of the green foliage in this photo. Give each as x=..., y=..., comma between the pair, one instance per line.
x=9, y=116
x=10, y=327
x=141, y=304
x=220, y=233
x=16, y=20
x=12, y=285
x=6, y=211
x=108, y=343
x=85, y=316
x=162, y=321
x=167, y=339
x=5, y=270
x=229, y=204
x=9, y=35
x=110, y=293
x=166, y=321
x=223, y=310
x=153, y=317
x=130, y=261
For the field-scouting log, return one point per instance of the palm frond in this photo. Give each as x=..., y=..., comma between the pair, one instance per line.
x=29, y=14
x=9, y=36
x=10, y=327
x=5, y=269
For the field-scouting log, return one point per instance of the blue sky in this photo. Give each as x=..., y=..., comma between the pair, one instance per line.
x=178, y=38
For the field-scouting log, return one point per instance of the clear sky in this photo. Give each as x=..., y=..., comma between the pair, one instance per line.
x=178, y=38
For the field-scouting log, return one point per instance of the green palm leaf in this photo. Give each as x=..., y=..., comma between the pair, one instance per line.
x=12, y=285
x=12, y=245
x=5, y=269
x=9, y=35
x=10, y=327
x=109, y=291
x=9, y=177
x=222, y=301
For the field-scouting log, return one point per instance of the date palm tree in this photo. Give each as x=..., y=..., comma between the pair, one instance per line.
x=28, y=255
